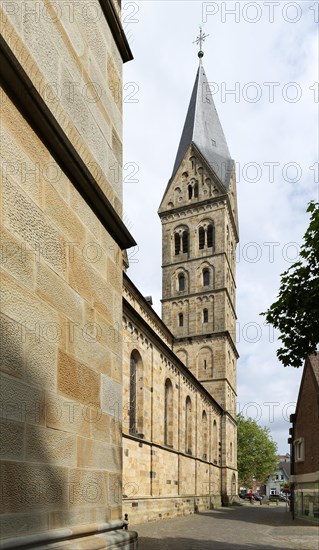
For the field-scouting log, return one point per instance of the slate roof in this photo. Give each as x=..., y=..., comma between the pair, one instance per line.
x=203, y=128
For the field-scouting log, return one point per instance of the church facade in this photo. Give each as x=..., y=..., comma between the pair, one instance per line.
x=179, y=372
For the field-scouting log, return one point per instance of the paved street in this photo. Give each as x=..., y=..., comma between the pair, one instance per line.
x=237, y=528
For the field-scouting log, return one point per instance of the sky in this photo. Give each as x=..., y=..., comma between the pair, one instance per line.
x=261, y=60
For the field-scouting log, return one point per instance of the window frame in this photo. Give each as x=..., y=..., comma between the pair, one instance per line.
x=211, y=236
x=201, y=238
x=185, y=242
x=206, y=277
x=181, y=282
x=177, y=244
x=168, y=413
x=299, y=447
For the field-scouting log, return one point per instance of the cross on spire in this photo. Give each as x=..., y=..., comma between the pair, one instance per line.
x=200, y=40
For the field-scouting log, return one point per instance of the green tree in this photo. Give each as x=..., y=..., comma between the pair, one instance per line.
x=256, y=451
x=296, y=311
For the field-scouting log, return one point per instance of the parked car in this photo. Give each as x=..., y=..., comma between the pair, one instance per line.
x=281, y=498
x=243, y=495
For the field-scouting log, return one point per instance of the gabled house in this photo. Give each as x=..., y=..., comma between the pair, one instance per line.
x=275, y=482
x=304, y=443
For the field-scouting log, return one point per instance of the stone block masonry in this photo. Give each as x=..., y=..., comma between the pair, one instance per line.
x=61, y=278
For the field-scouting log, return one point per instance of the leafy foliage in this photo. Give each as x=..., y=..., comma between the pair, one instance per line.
x=296, y=311
x=256, y=452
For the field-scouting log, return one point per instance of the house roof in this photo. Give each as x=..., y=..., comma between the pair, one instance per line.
x=285, y=466
x=314, y=363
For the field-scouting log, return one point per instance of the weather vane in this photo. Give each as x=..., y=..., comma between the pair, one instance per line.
x=200, y=40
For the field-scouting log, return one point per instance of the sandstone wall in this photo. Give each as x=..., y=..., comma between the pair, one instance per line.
x=61, y=287
x=162, y=480
x=68, y=51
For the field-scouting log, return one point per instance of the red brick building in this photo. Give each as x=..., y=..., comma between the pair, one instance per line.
x=304, y=442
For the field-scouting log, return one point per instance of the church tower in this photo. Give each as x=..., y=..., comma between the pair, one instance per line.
x=198, y=213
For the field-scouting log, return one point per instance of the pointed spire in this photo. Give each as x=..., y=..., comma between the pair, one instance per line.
x=203, y=128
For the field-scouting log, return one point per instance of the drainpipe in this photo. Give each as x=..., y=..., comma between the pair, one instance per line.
x=209, y=450
x=292, y=463
x=220, y=448
x=196, y=447
x=179, y=412
x=151, y=446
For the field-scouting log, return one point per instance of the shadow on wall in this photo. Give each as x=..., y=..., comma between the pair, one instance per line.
x=34, y=483
x=146, y=543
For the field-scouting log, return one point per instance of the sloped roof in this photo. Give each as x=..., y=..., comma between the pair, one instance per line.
x=311, y=365
x=285, y=466
x=314, y=362
x=203, y=128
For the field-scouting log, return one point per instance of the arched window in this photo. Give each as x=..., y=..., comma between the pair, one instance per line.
x=168, y=413
x=190, y=192
x=205, y=316
x=185, y=241
x=136, y=394
x=181, y=282
x=188, y=426
x=205, y=363
x=205, y=436
x=196, y=190
x=230, y=453
x=206, y=277
x=201, y=238
x=181, y=319
x=177, y=240
x=210, y=236
x=132, y=411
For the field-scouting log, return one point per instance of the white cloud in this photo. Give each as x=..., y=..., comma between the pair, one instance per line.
x=280, y=131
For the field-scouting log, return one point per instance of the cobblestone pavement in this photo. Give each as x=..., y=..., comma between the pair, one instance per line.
x=236, y=528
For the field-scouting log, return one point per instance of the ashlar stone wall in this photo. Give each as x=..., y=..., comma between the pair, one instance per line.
x=68, y=51
x=199, y=287
x=61, y=282
x=61, y=349
x=164, y=478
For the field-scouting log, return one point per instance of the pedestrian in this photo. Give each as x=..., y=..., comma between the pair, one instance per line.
x=251, y=497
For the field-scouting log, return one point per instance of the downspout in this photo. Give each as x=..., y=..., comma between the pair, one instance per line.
x=210, y=462
x=292, y=463
x=179, y=412
x=220, y=447
x=151, y=446
x=196, y=450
